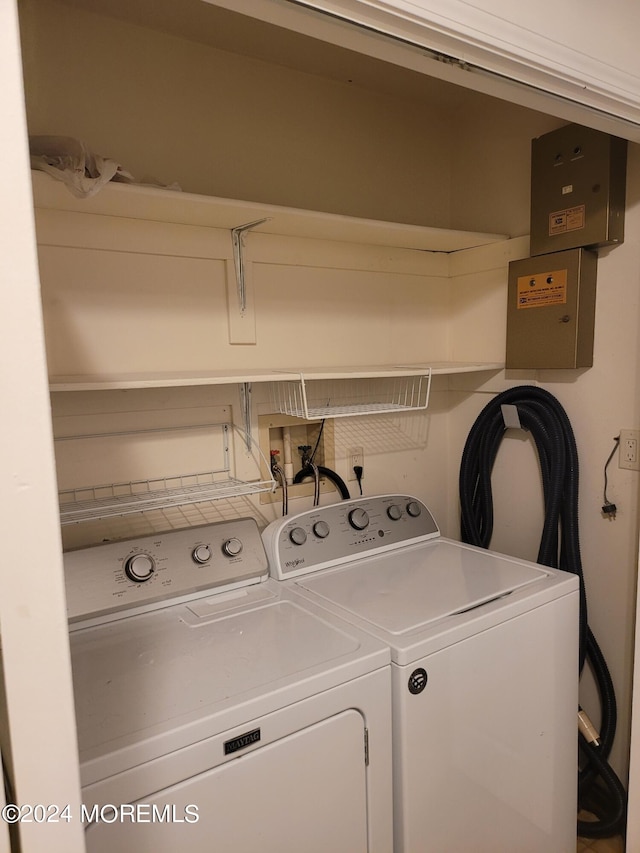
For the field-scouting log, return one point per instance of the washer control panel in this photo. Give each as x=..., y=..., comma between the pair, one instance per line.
x=117, y=576
x=330, y=535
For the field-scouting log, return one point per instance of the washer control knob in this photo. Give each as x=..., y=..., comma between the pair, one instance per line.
x=414, y=509
x=201, y=554
x=358, y=519
x=321, y=529
x=232, y=547
x=139, y=567
x=298, y=536
x=394, y=512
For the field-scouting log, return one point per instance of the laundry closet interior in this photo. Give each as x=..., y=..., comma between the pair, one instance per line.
x=389, y=204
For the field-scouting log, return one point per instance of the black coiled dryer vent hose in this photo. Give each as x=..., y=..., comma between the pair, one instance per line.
x=600, y=792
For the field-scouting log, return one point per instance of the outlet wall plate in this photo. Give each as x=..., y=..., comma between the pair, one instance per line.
x=629, y=449
x=355, y=456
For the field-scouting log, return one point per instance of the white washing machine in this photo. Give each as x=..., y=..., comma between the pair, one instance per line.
x=217, y=710
x=484, y=655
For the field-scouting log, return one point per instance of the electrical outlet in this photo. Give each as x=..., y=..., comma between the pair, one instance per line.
x=355, y=457
x=629, y=453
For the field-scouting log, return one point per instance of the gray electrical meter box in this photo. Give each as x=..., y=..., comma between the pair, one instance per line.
x=551, y=310
x=578, y=183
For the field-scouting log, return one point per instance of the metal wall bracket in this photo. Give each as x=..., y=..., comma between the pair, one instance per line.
x=237, y=237
x=245, y=411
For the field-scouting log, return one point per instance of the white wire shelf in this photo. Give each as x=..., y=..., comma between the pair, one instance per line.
x=337, y=395
x=118, y=499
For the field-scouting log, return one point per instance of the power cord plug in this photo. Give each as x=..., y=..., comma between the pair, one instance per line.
x=609, y=509
x=358, y=471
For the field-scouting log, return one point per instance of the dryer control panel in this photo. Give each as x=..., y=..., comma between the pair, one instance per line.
x=135, y=573
x=330, y=535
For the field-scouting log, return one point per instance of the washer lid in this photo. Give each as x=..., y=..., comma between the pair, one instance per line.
x=156, y=682
x=419, y=585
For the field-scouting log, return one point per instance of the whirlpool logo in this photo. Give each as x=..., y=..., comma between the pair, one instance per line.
x=291, y=564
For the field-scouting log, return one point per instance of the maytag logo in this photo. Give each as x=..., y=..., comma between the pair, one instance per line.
x=241, y=741
x=291, y=564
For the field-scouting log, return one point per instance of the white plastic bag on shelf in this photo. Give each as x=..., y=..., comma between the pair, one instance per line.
x=71, y=161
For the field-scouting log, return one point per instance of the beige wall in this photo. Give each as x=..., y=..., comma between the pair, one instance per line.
x=36, y=700
x=225, y=125
x=599, y=402
x=490, y=152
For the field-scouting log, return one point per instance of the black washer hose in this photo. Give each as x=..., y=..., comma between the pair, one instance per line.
x=336, y=479
x=599, y=789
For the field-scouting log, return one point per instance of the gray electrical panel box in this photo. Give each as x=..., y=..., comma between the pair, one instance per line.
x=551, y=310
x=578, y=183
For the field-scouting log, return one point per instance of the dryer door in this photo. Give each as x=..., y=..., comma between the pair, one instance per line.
x=304, y=792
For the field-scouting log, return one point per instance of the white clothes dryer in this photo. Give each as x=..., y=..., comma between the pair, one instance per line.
x=484, y=653
x=217, y=710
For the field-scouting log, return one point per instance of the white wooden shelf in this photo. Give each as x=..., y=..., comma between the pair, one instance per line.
x=135, y=201
x=124, y=381
x=160, y=379
x=440, y=368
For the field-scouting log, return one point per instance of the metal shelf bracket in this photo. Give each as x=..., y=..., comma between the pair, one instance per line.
x=245, y=411
x=237, y=237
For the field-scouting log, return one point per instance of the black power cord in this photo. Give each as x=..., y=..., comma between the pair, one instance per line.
x=600, y=792
x=609, y=509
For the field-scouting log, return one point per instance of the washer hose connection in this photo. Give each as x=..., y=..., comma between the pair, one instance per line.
x=310, y=469
x=329, y=474
x=278, y=472
x=600, y=792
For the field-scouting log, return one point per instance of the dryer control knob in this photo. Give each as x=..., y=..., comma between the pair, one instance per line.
x=232, y=547
x=321, y=529
x=201, y=554
x=394, y=512
x=414, y=509
x=298, y=536
x=358, y=519
x=139, y=567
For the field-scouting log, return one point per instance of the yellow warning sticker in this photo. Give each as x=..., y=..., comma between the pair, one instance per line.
x=542, y=289
x=571, y=219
